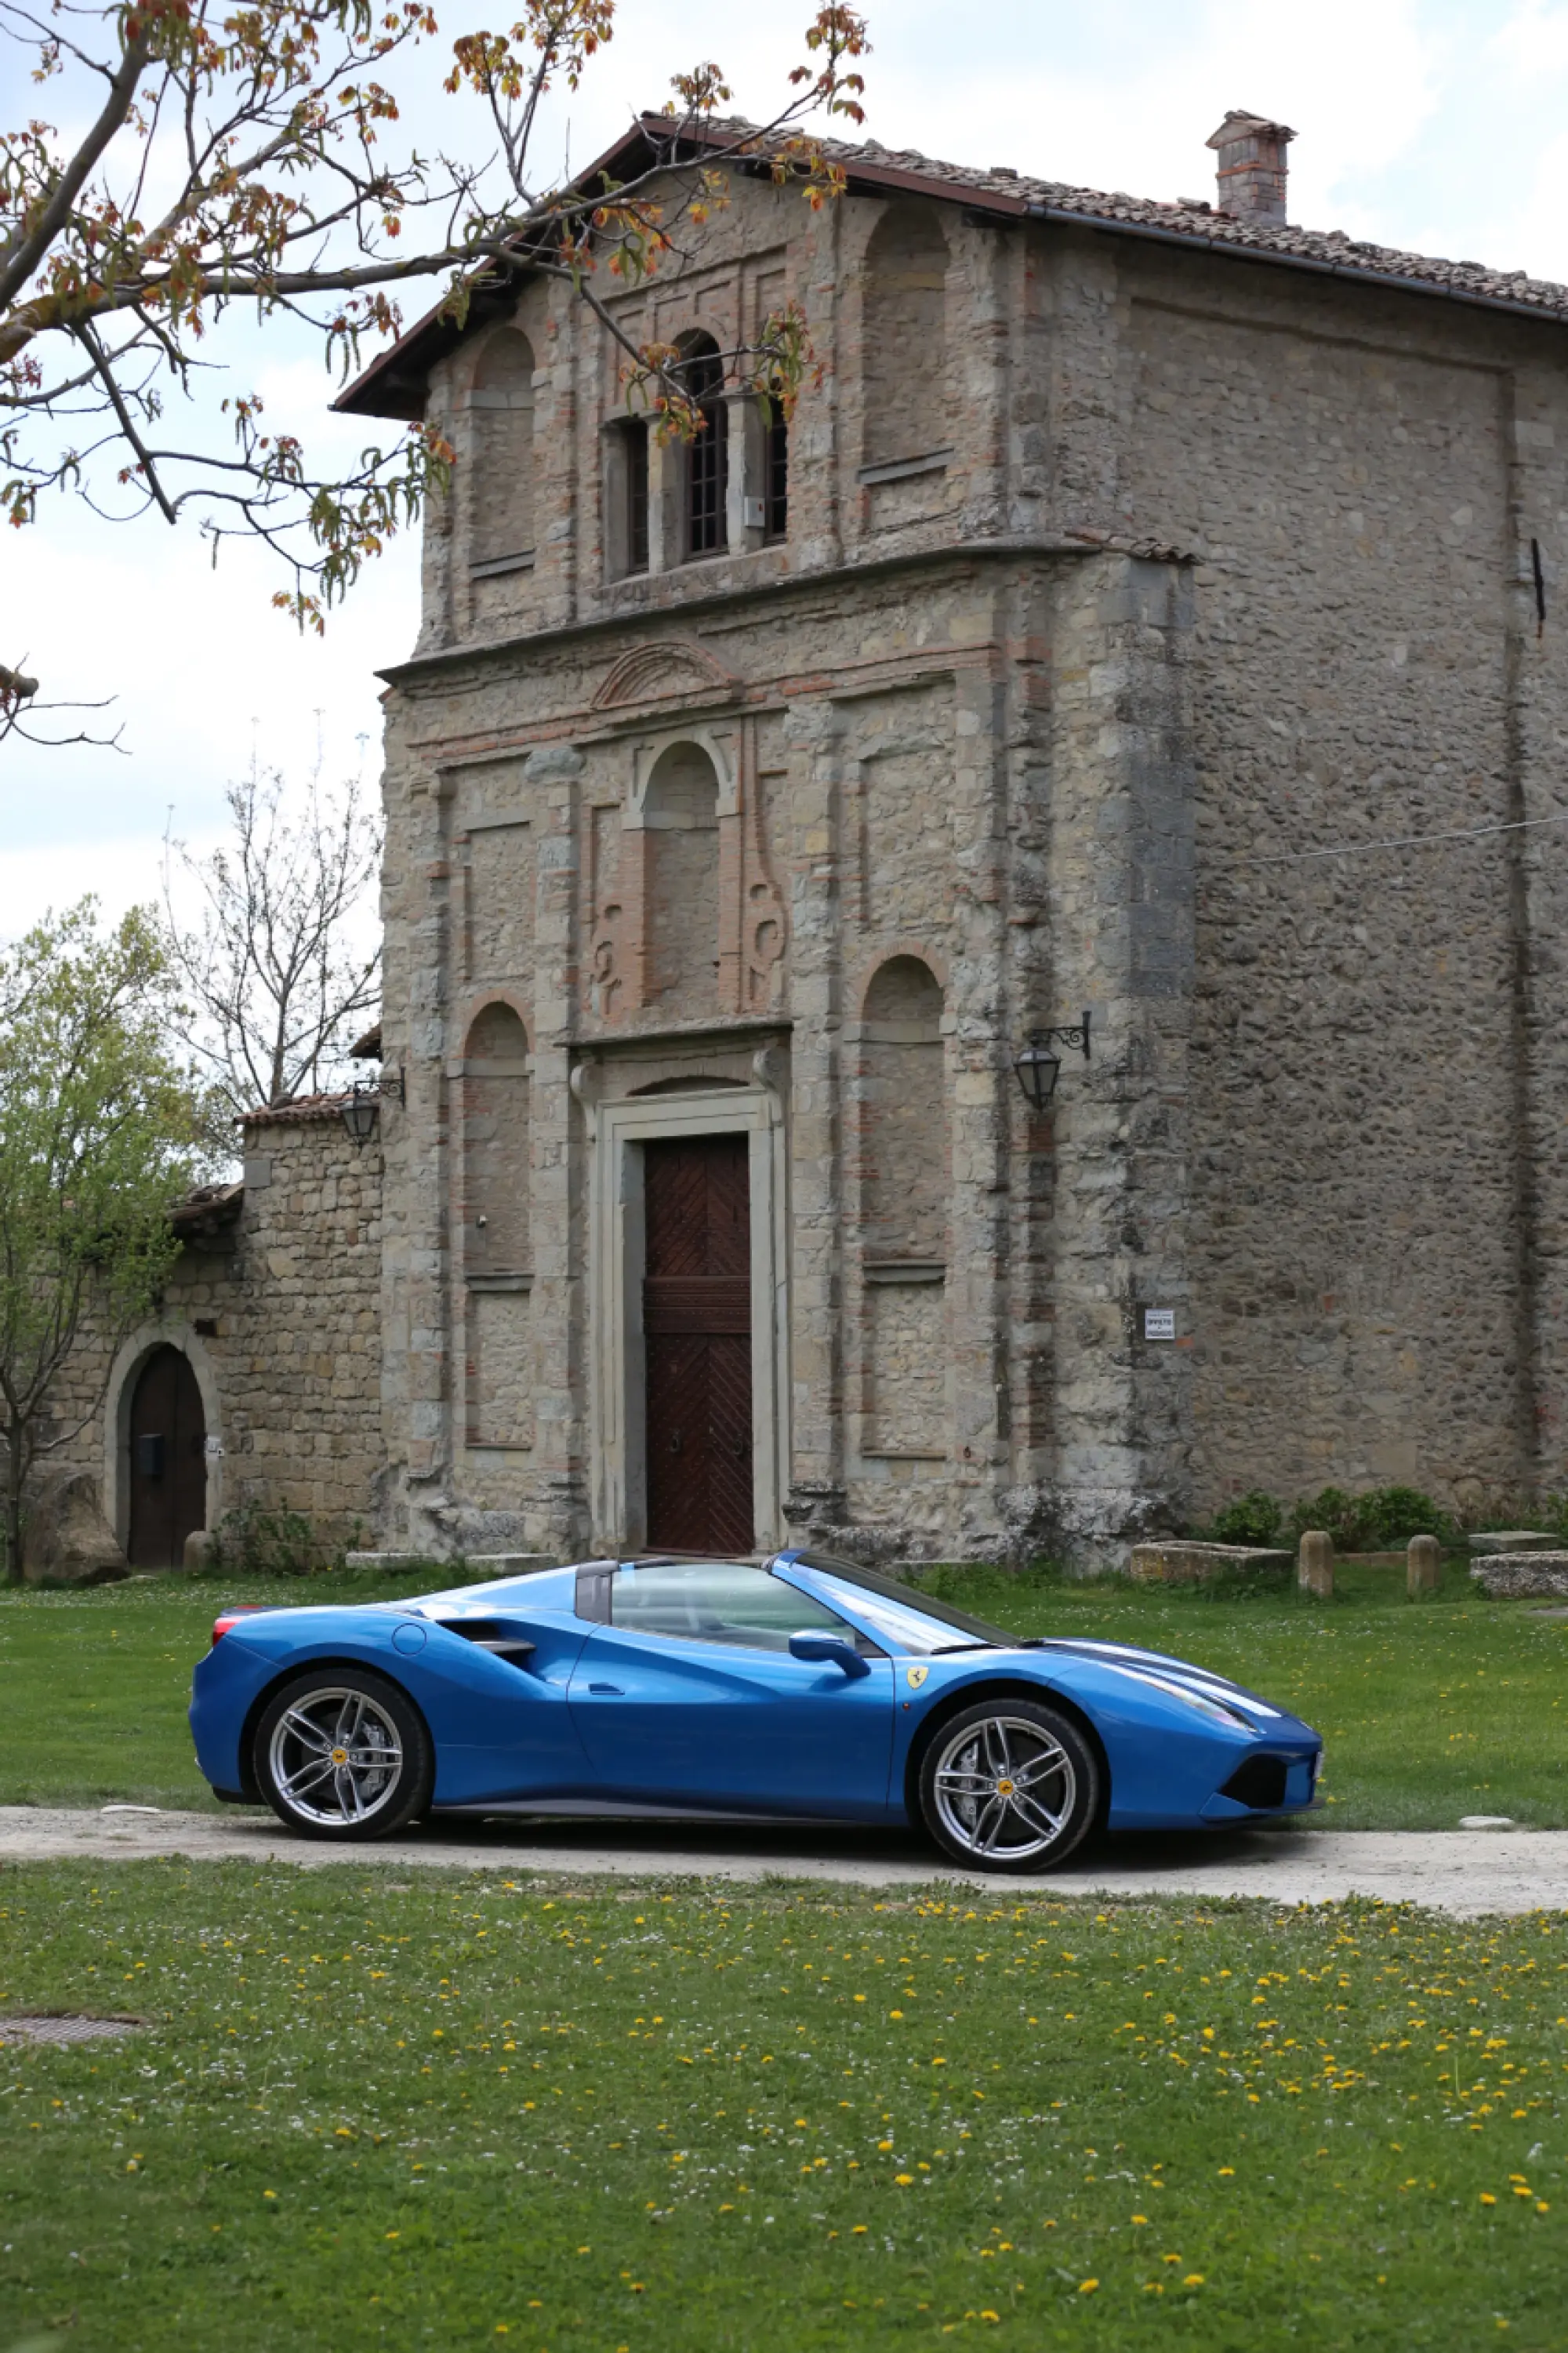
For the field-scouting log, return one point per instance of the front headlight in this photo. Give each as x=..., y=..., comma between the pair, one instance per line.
x=1219, y=1710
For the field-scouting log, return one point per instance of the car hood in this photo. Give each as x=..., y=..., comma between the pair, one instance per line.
x=1158, y=1669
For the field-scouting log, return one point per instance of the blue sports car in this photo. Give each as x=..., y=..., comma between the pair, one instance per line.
x=800, y=1688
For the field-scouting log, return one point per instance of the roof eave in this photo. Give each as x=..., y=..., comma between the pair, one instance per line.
x=394, y=384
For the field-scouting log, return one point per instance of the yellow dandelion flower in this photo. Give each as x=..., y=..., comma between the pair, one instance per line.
x=1087, y=2287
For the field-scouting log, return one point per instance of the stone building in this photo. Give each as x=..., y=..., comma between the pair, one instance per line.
x=256, y=1381
x=1151, y=614
x=1138, y=580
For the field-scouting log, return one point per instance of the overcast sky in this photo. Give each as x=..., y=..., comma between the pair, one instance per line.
x=1432, y=124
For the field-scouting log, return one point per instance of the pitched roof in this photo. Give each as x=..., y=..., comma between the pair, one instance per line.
x=393, y=385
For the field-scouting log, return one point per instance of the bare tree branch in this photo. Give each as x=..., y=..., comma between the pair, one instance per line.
x=270, y=136
x=277, y=977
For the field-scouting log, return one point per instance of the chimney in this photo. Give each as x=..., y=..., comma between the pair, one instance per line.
x=1252, y=169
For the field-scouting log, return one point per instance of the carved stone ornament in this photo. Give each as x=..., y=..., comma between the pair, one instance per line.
x=652, y=674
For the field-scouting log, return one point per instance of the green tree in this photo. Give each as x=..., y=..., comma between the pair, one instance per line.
x=96, y=1124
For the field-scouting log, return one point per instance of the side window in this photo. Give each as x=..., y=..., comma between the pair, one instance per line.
x=717, y=1601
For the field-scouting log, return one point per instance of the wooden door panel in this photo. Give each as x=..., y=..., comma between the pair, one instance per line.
x=168, y=1461
x=697, y=1322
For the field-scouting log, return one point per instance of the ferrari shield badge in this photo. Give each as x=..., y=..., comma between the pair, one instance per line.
x=915, y=1676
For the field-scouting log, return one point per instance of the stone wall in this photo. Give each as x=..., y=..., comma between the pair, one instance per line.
x=277, y=1306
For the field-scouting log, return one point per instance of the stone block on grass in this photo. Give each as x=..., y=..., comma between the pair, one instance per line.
x=1491, y=1540
x=1177, y=1562
x=1522, y=1575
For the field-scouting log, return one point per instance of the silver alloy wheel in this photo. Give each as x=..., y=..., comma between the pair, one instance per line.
x=336, y=1757
x=1004, y=1788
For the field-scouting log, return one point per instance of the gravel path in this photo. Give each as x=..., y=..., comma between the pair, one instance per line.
x=1465, y=1871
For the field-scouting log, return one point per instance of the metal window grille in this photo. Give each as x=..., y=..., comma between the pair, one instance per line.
x=775, y=475
x=708, y=483
x=637, y=498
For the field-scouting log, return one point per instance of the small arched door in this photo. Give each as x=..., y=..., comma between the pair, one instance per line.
x=168, y=1461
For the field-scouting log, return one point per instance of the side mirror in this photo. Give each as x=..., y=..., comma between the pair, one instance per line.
x=828, y=1650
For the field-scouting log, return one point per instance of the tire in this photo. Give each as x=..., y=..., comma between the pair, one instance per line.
x=344, y=1753
x=977, y=1774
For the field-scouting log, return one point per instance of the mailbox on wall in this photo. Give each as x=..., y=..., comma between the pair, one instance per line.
x=150, y=1455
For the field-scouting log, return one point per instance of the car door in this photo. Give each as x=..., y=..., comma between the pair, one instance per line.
x=689, y=1697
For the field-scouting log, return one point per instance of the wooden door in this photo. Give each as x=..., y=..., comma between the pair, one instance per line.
x=168, y=1461
x=697, y=1319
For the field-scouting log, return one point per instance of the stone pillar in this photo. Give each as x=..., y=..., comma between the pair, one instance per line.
x=814, y=1488
x=560, y=1174
x=1423, y=1559
x=1119, y=869
x=1315, y=1565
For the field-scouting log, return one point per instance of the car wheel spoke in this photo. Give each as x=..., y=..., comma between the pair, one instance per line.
x=1034, y=1815
x=310, y=1776
x=310, y=1733
x=1040, y=1768
x=988, y=1825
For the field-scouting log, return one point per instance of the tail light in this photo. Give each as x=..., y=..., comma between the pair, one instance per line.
x=230, y=1618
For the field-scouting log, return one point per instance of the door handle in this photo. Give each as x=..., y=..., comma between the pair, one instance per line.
x=611, y=1691
x=675, y=1443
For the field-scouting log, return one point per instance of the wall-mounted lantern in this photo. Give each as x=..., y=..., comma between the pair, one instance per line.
x=1039, y=1068
x=364, y=1104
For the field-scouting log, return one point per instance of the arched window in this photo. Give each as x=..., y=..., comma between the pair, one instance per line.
x=904, y=1186
x=498, y=1350
x=708, y=454
x=501, y=482
x=496, y=1144
x=906, y=337
x=681, y=816
x=905, y=1153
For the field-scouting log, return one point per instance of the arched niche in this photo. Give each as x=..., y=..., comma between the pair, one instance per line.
x=905, y=1155
x=680, y=825
x=500, y=399
x=905, y=343
x=496, y=1157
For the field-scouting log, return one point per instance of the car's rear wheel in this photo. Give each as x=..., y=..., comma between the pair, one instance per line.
x=344, y=1753
x=1009, y=1785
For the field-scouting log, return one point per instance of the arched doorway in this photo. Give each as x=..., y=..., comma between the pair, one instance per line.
x=168, y=1471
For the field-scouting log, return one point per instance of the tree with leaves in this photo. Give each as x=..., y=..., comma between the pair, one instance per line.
x=248, y=159
x=96, y=1129
x=276, y=975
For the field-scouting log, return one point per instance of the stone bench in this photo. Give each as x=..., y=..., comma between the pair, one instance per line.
x=1520, y=1576
x=1177, y=1562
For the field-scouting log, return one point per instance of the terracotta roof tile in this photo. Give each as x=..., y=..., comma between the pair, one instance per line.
x=297, y=1113
x=1191, y=223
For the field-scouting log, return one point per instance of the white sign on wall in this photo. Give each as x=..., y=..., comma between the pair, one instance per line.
x=1159, y=1323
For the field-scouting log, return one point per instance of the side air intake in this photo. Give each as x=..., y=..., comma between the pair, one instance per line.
x=1259, y=1782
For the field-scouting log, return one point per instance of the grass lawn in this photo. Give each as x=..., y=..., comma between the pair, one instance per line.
x=365, y=2113
x=1431, y=1710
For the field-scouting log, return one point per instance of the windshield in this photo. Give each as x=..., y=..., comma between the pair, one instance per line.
x=907, y=1619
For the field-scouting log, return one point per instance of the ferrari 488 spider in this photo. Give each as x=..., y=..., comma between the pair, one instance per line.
x=799, y=1688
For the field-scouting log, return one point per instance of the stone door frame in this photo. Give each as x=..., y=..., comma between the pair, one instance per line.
x=617, y=1398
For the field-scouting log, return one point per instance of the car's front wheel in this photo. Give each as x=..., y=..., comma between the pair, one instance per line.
x=344, y=1753
x=1009, y=1785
